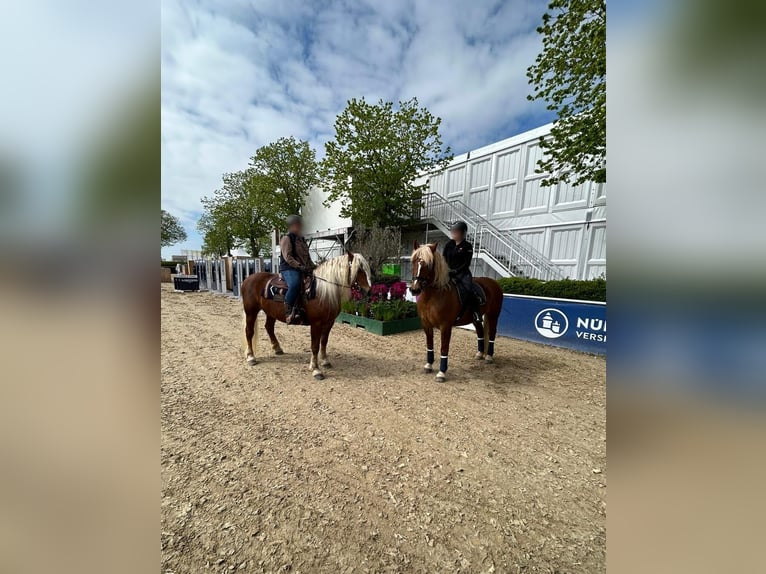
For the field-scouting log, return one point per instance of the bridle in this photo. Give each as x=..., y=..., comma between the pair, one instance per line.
x=423, y=281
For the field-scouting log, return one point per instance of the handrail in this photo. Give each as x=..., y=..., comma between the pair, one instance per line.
x=509, y=250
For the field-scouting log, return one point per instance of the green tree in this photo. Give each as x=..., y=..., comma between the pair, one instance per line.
x=570, y=75
x=376, y=154
x=172, y=232
x=217, y=235
x=242, y=212
x=286, y=168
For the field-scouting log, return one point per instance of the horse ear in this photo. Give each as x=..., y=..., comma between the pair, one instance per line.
x=433, y=246
x=415, y=245
x=350, y=255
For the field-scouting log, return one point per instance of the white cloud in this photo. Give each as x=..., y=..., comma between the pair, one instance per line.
x=238, y=75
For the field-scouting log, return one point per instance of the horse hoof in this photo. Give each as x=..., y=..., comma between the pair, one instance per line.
x=319, y=377
x=251, y=361
x=440, y=377
x=489, y=360
x=428, y=371
x=279, y=352
x=479, y=356
x=327, y=365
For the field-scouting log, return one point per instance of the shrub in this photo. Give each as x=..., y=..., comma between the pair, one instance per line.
x=171, y=264
x=590, y=290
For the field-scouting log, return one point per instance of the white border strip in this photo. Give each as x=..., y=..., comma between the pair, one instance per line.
x=555, y=299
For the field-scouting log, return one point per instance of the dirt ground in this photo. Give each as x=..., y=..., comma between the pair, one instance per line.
x=377, y=468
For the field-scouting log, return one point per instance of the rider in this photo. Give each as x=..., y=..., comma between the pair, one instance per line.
x=294, y=261
x=458, y=252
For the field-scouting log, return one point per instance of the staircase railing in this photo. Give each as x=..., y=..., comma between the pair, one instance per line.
x=505, y=247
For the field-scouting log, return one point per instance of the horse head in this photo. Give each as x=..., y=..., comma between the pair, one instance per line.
x=423, y=266
x=359, y=272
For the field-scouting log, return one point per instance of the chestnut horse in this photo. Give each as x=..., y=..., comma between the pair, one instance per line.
x=334, y=279
x=439, y=306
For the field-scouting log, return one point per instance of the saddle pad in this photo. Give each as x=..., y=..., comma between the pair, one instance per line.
x=276, y=288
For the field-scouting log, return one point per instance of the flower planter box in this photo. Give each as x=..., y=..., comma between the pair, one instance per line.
x=380, y=327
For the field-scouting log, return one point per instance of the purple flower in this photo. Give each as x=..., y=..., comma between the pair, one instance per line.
x=379, y=292
x=398, y=290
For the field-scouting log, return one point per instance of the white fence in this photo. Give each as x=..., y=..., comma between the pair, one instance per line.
x=214, y=275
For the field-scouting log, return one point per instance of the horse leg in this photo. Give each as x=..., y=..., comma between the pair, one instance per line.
x=429, y=366
x=323, y=347
x=251, y=329
x=270, y=322
x=316, y=335
x=479, y=326
x=492, y=328
x=446, y=335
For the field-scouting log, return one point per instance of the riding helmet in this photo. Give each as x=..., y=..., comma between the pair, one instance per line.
x=294, y=219
x=460, y=226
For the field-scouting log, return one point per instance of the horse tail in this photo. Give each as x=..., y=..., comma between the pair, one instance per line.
x=486, y=334
x=244, y=331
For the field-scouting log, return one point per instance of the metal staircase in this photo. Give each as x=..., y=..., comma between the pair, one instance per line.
x=503, y=250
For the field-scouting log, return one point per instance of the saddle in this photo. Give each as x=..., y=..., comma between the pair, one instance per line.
x=276, y=288
x=464, y=293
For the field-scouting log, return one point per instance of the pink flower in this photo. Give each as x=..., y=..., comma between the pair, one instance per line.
x=398, y=290
x=379, y=292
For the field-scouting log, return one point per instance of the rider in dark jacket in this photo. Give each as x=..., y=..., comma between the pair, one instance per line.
x=459, y=253
x=294, y=262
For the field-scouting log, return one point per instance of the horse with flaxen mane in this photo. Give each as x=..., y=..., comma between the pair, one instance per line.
x=439, y=306
x=333, y=281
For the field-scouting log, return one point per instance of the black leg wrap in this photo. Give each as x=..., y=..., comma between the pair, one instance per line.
x=430, y=356
x=443, y=365
x=480, y=344
x=491, y=349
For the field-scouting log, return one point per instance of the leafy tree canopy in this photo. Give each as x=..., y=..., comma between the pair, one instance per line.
x=376, y=154
x=254, y=201
x=288, y=168
x=172, y=232
x=242, y=212
x=570, y=75
x=216, y=228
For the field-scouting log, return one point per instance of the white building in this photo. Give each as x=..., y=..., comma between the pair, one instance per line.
x=518, y=227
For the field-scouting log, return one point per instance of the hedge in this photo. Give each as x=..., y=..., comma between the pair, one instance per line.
x=172, y=264
x=590, y=290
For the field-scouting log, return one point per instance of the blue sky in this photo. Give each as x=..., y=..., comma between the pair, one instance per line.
x=237, y=75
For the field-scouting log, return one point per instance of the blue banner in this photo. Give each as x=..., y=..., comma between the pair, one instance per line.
x=578, y=325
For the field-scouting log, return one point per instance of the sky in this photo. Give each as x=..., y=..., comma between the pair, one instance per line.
x=238, y=75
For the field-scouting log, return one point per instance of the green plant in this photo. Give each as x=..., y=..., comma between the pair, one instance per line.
x=588, y=290
x=570, y=76
x=372, y=163
x=171, y=230
x=171, y=264
x=382, y=310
